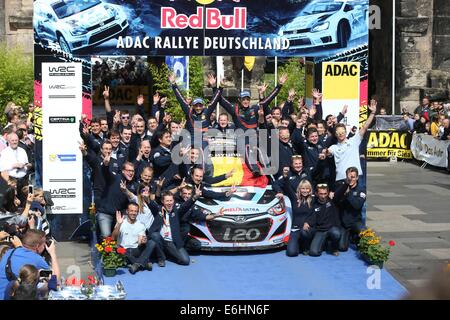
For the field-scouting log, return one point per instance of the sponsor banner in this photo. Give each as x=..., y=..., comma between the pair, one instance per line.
x=340, y=87
x=61, y=158
x=385, y=144
x=121, y=95
x=226, y=27
x=431, y=150
x=180, y=67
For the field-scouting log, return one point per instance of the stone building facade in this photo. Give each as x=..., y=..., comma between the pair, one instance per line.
x=423, y=51
x=16, y=24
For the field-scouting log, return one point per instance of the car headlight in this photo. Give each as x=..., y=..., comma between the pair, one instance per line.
x=277, y=209
x=78, y=30
x=321, y=27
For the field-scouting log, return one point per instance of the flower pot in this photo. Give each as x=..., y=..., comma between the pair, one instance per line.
x=370, y=262
x=109, y=272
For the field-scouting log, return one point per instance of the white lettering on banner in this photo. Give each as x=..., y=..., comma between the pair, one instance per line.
x=61, y=158
x=431, y=150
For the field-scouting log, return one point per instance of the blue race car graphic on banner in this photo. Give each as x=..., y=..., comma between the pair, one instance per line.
x=75, y=25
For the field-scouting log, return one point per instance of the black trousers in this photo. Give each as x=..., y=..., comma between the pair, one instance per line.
x=320, y=237
x=299, y=240
x=354, y=228
x=190, y=243
x=141, y=254
x=163, y=247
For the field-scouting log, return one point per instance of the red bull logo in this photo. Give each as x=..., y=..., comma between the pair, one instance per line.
x=214, y=19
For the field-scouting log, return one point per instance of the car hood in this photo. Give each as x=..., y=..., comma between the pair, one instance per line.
x=246, y=201
x=90, y=17
x=304, y=22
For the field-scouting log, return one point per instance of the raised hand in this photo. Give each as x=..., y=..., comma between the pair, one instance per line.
x=140, y=99
x=316, y=94
x=183, y=124
x=344, y=109
x=211, y=80
x=198, y=192
x=116, y=119
x=279, y=196
x=160, y=182
x=323, y=154
x=291, y=94
x=285, y=172
x=261, y=111
x=156, y=98
x=183, y=184
x=172, y=78
x=301, y=101
x=283, y=78
x=123, y=186
x=221, y=212
x=106, y=93
x=232, y=190
x=107, y=159
x=163, y=102
x=373, y=106
x=82, y=147
x=262, y=88
x=230, y=173
x=119, y=217
x=306, y=227
x=188, y=100
x=312, y=111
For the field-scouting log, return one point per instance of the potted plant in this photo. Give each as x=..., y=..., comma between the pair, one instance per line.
x=371, y=249
x=112, y=256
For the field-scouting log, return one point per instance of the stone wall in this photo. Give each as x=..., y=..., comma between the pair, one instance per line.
x=423, y=28
x=16, y=23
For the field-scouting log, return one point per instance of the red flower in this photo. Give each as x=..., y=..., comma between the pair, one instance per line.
x=121, y=251
x=392, y=243
x=108, y=249
x=108, y=239
x=82, y=282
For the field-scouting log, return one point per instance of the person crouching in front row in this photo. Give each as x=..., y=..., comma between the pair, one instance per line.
x=130, y=234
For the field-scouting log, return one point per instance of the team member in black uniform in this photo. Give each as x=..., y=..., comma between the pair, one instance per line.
x=350, y=207
x=302, y=207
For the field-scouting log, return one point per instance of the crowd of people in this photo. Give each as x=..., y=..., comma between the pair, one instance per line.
x=145, y=200
x=432, y=118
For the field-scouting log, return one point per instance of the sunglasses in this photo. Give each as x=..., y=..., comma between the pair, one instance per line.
x=322, y=185
x=125, y=117
x=297, y=157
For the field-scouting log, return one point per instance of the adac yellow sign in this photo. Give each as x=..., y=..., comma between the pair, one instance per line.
x=341, y=80
x=385, y=144
x=205, y=1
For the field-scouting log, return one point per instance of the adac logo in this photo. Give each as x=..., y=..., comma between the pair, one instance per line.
x=204, y=2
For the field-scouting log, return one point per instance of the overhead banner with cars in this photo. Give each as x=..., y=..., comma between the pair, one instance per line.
x=181, y=27
x=61, y=158
x=388, y=144
x=431, y=150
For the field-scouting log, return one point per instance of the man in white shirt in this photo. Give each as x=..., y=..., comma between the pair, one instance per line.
x=346, y=151
x=14, y=160
x=130, y=234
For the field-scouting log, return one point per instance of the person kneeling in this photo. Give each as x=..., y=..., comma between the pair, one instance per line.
x=130, y=234
x=325, y=221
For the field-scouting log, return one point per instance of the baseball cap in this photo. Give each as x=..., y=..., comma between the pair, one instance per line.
x=244, y=94
x=197, y=101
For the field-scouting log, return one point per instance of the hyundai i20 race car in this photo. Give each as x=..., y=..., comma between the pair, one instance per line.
x=253, y=217
x=327, y=22
x=77, y=24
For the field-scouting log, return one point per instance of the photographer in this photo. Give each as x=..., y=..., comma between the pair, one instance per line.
x=33, y=245
x=32, y=284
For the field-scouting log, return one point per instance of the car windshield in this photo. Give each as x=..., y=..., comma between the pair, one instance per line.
x=314, y=8
x=66, y=8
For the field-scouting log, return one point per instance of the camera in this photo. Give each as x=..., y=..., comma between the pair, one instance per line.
x=30, y=189
x=48, y=242
x=45, y=273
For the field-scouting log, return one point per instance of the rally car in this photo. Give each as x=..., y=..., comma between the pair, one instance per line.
x=327, y=22
x=75, y=25
x=253, y=217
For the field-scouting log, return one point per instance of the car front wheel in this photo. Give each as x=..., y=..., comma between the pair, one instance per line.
x=343, y=35
x=64, y=45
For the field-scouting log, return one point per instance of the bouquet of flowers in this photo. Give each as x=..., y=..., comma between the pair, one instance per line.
x=112, y=256
x=371, y=249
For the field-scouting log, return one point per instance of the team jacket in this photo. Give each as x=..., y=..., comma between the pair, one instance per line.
x=175, y=216
x=293, y=179
x=351, y=206
x=192, y=116
x=161, y=158
x=247, y=118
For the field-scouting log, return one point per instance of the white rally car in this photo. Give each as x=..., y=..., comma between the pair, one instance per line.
x=327, y=22
x=253, y=217
x=75, y=25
